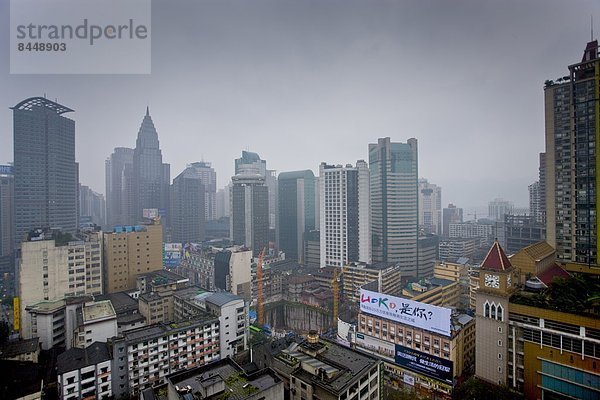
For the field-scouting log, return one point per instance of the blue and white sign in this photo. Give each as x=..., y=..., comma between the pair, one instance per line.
x=6, y=169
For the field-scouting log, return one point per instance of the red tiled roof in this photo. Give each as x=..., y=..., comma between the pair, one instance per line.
x=554, y=271
x=496, y=259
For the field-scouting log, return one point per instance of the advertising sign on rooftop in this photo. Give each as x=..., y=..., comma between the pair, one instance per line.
x=426, y=364
x=414, y=313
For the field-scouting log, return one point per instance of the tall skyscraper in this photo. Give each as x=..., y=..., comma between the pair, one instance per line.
x=535, y=209
x=46, y=174
x=92, y=206
x=572, y=162
x=250, y=163
x=430, y=207
x=151, y=178
x=119, y=188
x=208, y=177
x=7, y=211
x=249, y=220
x=296, y=211
x=394, y=203
x=542, y=195
x=188, y=211
x=451, y=215
x=223, y=201
x=345, y=235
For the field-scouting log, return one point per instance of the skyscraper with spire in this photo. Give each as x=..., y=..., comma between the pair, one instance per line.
x=150, y=175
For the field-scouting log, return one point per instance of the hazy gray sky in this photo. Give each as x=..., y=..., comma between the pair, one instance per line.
x=302, y=82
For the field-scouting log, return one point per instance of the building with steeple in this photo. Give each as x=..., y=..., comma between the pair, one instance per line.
x=497, y=281
x=151, y=176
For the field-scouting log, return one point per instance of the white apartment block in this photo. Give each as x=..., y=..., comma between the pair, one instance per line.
x=144, y=357
x=49, y=271
x=344, y=214
x=85, y=373
x=430, y=207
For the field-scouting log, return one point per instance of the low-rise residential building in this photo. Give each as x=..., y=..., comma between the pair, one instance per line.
x=21, y=350
x=96, y=322
x=456, y=270
x=85, y=373
x=317, y=369
x=126, y=308
x=223, y=379
x=143, y=357
x=386, y=275
x=434, y=291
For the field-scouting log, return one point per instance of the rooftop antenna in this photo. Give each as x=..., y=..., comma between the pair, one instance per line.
x=592, y=27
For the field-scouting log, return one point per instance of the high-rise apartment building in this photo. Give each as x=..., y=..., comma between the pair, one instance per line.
x=572, y=162
x=542, y=189
x=55, y=265
x=151, y=177
x=250, y=163
x=92, y=206
x=344, y=202
x=498, y=208
x=223, y=202
x=430, y=207
x=394, y=202
x=205, y=173
x=249, y=221
x=46, y=174
x=296, y=211
x=535, y=209
x=188, y=208
x=451, y=215
x=129, y=251
x=7, y=210
x=119, y=188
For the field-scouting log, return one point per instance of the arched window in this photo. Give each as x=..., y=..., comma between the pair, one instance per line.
x=500, y=313
x=493, y=313
x=486, y=313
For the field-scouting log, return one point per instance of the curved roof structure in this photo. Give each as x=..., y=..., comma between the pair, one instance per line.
x=32, y=102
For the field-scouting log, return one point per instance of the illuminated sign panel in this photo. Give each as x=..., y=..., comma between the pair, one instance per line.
x=423, y=363
x=414, y=313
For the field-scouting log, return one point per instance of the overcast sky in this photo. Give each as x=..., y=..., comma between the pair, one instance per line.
x=302, y=82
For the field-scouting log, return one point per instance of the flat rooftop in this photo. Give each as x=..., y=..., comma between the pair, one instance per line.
x=121, y=301
x=237, y=384
x=98, y=310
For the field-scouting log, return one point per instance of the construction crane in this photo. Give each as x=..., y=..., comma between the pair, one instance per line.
x=260, y=312
x=335, y=287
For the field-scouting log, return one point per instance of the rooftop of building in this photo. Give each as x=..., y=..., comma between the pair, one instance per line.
x=127, y=319
x=303, y=174
x=98, y=310
x=121, y=301
x=19, y=347
x=221, y=298
x=341, y=366
x=47, y=306
x=374, y=266
x=496, y=259
x=33, y=102
x=162, y=277
x=236, y=384
x=538, y=251
x=76, y=358
x=415, y=288
x=149, y=296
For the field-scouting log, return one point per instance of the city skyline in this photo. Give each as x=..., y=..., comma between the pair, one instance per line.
x=332, y=80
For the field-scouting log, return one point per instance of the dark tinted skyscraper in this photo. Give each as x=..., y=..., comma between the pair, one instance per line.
x=187, y=207
x=151, y=177
x=119, y=187
x=572, y=161
x=394, y=202
x=296, y=211
x=46, y=174
x=7, y=211
x=249, y=221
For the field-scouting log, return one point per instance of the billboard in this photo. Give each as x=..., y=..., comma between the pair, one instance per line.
x=423, y=363
x=414, y=313
x=6, y=170
x=150, y=213
x=172, y=254
x=16, y=314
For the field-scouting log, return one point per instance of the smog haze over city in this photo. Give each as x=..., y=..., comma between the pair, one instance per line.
x=301, y=82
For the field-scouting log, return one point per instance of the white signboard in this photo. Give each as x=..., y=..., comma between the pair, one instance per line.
x=409, y=312
x=150, y=213
x=409, y=379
